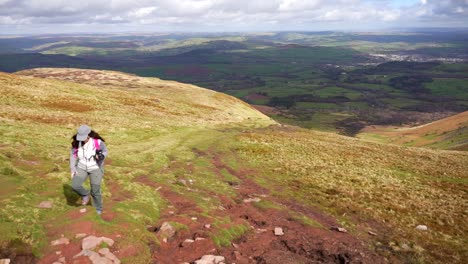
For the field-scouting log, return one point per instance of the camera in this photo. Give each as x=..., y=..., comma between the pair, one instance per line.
x=99, y=155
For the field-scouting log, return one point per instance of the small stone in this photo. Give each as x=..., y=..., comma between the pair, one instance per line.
x=249, y=200
x=171, y=212
x=194, y=218
x=339, y=229
x=279, y=231
x=372, y=233
x=5, y=261
x=80, y=235
x=83, y=210
x=199, y=238
x=62, y=260
x=260, y=230
x=187, y=242
x=56, y=262
x=211, y=259
x=422, y=228
x=182, y=182
x=46, y=204
x=165, y=240
x=60, y=241
x=58, y=252
x=207, y=226
x=235, y=245
x=167, y=230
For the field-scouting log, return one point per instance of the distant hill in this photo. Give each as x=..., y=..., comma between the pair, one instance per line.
x=447, y=133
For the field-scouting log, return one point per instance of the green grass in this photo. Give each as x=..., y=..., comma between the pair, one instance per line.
x=225, y=236
x=337, y=91
x=457, y=88
x=369, y=181
x=162, y=141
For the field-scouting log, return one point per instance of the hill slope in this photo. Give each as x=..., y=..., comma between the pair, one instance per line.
x=215, y=169
x=447, y=133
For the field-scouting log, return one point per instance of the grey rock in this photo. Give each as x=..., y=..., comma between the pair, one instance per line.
x=279, y=231
x=187, y=242
x=167, y=230
x=91, y=242
x=211, y=259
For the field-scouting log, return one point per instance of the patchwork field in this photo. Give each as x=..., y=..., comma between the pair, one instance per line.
x=333, y=81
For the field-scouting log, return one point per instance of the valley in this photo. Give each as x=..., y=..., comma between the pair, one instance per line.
x=330, y=81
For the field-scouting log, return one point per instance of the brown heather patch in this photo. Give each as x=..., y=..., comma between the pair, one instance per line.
x=68, y=106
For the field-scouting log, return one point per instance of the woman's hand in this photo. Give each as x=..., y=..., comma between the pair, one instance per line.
x=73, y=174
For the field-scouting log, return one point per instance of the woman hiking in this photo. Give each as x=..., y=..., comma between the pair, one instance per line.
x=87, y=160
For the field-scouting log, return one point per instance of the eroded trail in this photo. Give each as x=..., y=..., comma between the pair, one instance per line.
x=306, y=236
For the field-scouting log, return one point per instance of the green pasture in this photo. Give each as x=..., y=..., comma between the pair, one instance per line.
x=456, y=88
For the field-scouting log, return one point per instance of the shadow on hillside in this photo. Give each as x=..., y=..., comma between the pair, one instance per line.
x=71, y=196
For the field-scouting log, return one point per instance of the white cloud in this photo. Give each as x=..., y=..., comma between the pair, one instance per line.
x=195, y=15
x=142, y=12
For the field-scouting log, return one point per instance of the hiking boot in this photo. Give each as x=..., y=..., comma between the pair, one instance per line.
x=85, y=200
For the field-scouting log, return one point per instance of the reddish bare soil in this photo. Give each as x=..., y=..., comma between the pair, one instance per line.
x=299, y=244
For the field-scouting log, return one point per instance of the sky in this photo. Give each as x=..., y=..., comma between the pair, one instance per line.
x=113, y=16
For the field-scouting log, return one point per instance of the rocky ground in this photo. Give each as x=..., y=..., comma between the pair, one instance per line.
x=274, y=234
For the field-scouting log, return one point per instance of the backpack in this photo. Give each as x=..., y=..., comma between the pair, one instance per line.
x=96, y=146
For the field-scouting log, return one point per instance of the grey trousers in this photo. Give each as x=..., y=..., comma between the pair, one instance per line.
x=95, y=177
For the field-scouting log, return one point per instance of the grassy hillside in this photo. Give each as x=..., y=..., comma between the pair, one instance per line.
x=191, y=156
x=446, y=133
